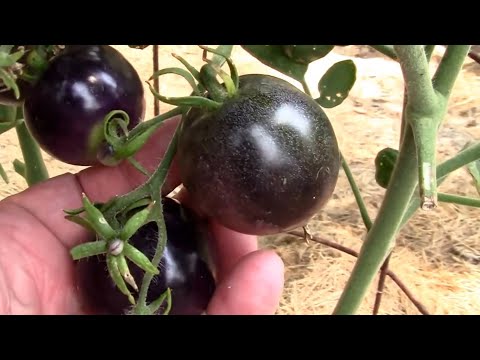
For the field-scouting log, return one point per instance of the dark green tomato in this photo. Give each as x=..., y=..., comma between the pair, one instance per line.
x=265, y=162
x=66, y=108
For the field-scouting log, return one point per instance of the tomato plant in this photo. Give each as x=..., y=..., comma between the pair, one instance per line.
x=255, y=152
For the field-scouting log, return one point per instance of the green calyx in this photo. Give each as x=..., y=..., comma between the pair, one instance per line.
x=113, y=241
x=207, y=91
x=111, y=142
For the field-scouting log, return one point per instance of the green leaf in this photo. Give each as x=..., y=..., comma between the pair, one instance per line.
x=3, y=174
x=88, y=249
x=139, y=259
x=384, y=165
x=336, y=83
x=306, y=54
x=9, y=81
x=275, y=57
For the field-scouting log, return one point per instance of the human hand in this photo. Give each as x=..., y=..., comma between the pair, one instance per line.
x=37, y=273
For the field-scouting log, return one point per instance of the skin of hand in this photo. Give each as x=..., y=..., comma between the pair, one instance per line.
x=37, y=274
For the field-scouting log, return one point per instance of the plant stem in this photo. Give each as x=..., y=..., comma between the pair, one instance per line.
x=421, y=308
x=424, y=112
x=356, y=192
x=156, y=102
x=387, y=50
x=460, y=200
x=358, y=196
x=35, y=169
x=429, y=51
x=155, y=183
x=381, y=237
x=449, y=68
x=425, y=134
x=118, y=204
x=464, y=157
x=415, y=70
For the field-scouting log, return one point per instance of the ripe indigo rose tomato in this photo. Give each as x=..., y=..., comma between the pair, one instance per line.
x=182, y=267
x=65, y=109
x=265, y=162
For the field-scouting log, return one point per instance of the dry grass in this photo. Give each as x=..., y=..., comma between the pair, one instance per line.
x=425, y=258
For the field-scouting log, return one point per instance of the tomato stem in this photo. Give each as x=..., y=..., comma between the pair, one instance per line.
x=429, y=51
x=459, y=200
x=424, y=112
x=381, y=238
x=449, y=68
x=386, y=50
x=463, y=158
x=358, y=196
x=35, y=169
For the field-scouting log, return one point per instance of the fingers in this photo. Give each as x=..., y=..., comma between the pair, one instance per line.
x=228, y=247
x=46, y=201
x=253, y=287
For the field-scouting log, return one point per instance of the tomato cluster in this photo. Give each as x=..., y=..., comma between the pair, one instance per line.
x=263, y=162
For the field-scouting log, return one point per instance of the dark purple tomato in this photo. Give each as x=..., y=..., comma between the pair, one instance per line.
x=183, y=268
x=65, y=109
x=265, y=162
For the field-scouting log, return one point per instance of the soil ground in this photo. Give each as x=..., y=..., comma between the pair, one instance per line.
x=437, y=253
